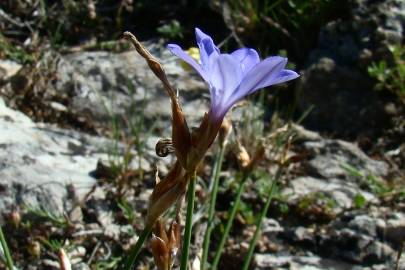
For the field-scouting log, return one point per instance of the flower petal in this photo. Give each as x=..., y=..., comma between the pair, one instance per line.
x=247, y=57
x=225, y=73
x=176, y=50
x=206, y=46
x=225, y=76
x=264, y=74
x=285, y=75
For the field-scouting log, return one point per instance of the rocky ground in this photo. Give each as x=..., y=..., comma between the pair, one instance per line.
x=342, y=212
x=78, y=162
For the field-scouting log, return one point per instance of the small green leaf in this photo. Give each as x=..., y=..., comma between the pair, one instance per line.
x=359, y=200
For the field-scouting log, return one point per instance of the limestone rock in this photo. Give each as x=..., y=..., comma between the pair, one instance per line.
x=40, y=163
x=337, y=172
x=103, y=84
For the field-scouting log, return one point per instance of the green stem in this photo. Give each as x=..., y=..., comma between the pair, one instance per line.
x=211, y=210
x=137, y=248
x=252, y=243
x=228, y=226
x=189, y=221
x=6, y=251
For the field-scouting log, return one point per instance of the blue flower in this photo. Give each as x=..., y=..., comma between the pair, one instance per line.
x=231, y=77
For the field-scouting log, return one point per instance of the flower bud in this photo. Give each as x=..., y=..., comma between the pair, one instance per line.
x=15, y=218
x=34, y=248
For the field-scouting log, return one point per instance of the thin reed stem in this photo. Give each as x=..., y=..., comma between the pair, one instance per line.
x=229, y=223
x=401, y=248
x=211, y=210
x=137, y=248
x=189, y=221
x=253, y=241
x=9, y=260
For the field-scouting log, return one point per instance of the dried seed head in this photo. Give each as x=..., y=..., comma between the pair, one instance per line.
x=242, y=156
x=174, y=238
x=152, y=62
x=166, y=193
x=160, y=230
x=257, y=156
x=161, y=254
x=180, y=132
x=224, y=131
x=165, y=244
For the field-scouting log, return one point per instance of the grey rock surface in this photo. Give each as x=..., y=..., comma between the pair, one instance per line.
x=357, y=239
x=337, y=170
x=329, y=158
x=103, y=84
x=8, y=68
x=335, y=80
x=339, y=191
x=39, y=163
x=359, y=236
x=336, y=173
x=304, y=262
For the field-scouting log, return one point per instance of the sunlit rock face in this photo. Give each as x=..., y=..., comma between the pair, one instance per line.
x=42, y=166
x=102, y=84
x=328, y=178
x=39, y=162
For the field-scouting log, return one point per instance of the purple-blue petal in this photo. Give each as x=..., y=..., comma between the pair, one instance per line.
x=225, y=76
x=206, y=46
x=225, y=73
x=261, y=75
x=231, y=77
x=285, y=75
x=247, y=57
x=176, y=50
